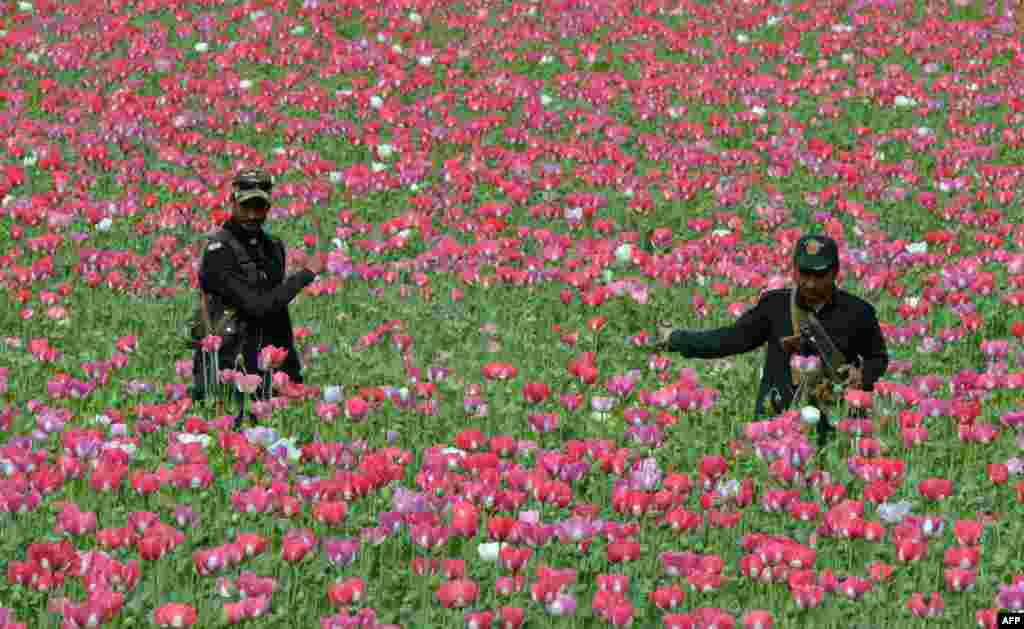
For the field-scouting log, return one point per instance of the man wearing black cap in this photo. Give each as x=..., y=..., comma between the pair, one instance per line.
x=242, y=274
x=809, y=321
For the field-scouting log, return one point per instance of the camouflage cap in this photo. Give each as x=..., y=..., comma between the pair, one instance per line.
x=252, y=184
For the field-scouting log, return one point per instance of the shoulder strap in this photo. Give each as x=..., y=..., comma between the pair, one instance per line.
x=833, y=358
x=251, y=267
x=279, y=249
x=795, y=316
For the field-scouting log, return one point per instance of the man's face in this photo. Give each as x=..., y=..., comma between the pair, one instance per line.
x=814, y=288
x=252, y=214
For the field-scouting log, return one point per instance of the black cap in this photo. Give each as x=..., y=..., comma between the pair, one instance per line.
x=816, y=254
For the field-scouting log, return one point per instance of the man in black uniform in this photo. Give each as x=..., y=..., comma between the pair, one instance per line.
x=849, y=321
x=243, y=274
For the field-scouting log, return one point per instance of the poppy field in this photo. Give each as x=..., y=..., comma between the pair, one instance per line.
x=511, y=195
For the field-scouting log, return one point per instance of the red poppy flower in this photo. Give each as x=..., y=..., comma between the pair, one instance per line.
x=470, y=439
x=804, y=511
x=681, y=621
x=935, y=488
x=758, y=619
x=458, y=593
x=499, y=371
x=933, y=607
x=667, y=597
x=536, y=392
x=175, y=615
x=625, y=550
x=510, y=617
x=753, y=567
x=910, y=550
x=252, y=544
x=998, y=473
x=513, y=558
x=960, y=579
x=968, y=532
x=346, y=593
x=879, y=491
x=682, y=521
x=808, y=596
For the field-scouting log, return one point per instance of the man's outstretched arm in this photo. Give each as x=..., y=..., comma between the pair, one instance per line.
x=749, y=332
x=871, y=346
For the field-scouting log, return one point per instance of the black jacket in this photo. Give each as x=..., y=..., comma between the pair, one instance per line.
x=262, y=302
x=849, y=320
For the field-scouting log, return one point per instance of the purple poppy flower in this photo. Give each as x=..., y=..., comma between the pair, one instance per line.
x=646, y=475
x=341, y=552
x=407, y=501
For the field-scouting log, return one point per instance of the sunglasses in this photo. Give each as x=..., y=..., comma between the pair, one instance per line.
x=817, y=274
x=243, y=186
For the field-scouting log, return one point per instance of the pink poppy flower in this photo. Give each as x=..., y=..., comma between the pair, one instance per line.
x=356, y=408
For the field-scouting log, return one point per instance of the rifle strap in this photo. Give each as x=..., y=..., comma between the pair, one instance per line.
x=806, y=385
x=796, y=314
x=204, y=312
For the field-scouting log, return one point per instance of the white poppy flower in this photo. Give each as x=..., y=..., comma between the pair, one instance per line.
x=810, y=415
x=489, y=551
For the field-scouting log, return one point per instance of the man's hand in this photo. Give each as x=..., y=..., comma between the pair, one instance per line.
x=315, y=262
x=662, y=335
x=856, y=379
x=791, y=344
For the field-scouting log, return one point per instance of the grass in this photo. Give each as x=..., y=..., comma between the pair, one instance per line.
x=524, y=319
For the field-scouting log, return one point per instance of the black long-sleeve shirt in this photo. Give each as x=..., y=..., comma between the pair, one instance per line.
x=261, y=302
x=849, y=320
